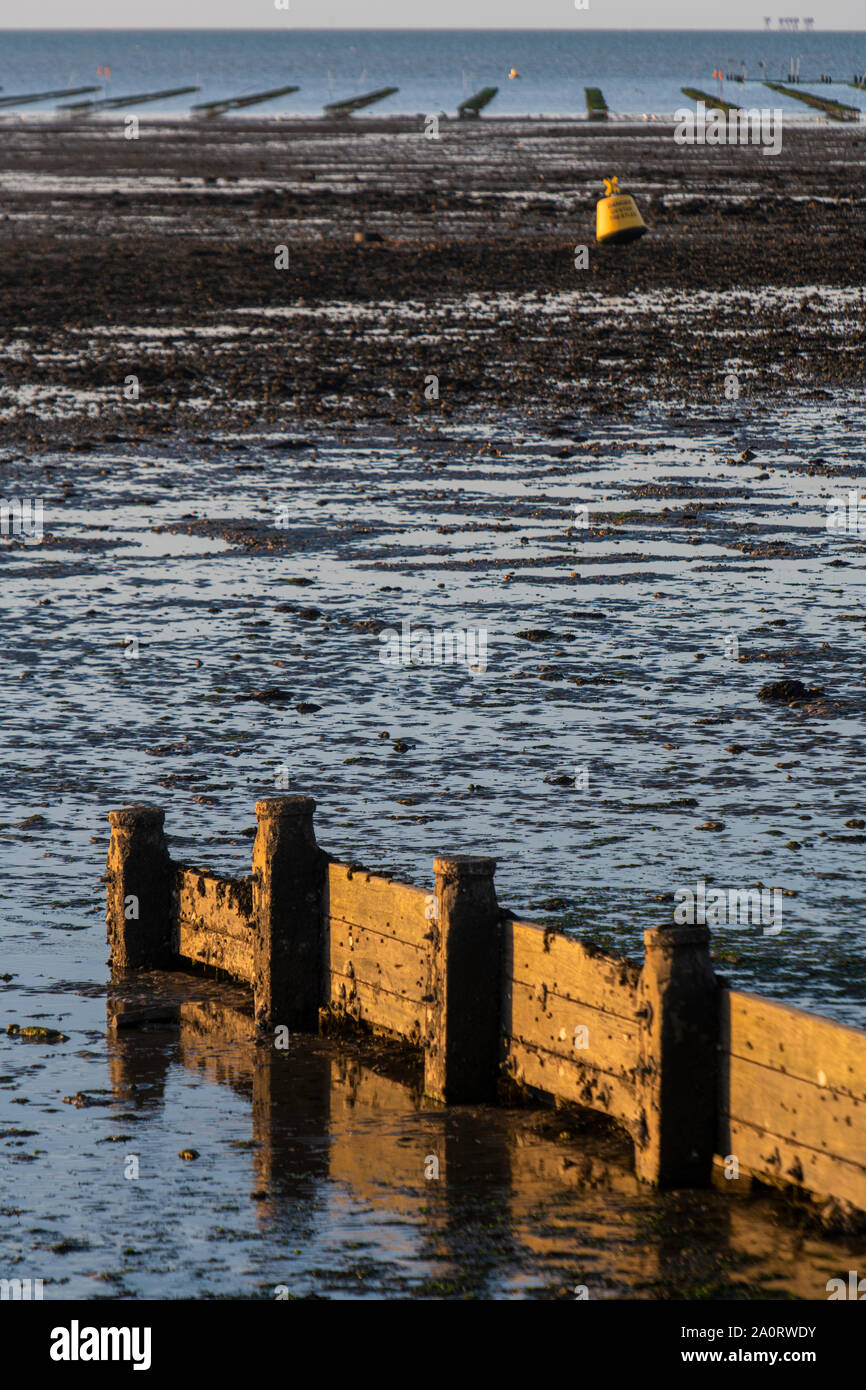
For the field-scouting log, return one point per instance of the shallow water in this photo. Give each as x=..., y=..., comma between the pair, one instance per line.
x=470, y=527
x=321, y=1171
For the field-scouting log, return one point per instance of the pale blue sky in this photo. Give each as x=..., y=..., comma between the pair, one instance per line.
x=420, y=14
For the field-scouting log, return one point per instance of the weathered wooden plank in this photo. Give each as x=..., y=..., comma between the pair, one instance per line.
x=778, y=1161
x=370, y=1003
x=222, y=905
x=381, y=904
x=794, y=1042
x=535, y=1016
x=379, y=961
x=808, y=1115
x=580, y=1083
x=569, y=969
x=208, y=947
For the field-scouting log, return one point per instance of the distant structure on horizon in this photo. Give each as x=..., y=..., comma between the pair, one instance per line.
x=791, y=24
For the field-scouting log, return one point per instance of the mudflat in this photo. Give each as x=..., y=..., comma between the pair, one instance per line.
x=408, y=257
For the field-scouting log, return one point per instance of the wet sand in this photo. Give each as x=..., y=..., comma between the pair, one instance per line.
x=280, y=492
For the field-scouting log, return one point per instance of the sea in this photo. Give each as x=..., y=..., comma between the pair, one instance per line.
x=640, y=73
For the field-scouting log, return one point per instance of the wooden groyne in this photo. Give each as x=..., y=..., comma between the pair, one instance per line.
x=836, y=110
x=712, y=103
x=596, y=106
x=699, y=1075
x=341, y=109
x=210, y=109
x=135, y=99
x=27, y=98
x=474, y=105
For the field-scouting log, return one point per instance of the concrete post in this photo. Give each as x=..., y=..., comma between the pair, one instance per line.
x=139, y=877
x=461, y=1058
x=288, y=912
x=677, y=1076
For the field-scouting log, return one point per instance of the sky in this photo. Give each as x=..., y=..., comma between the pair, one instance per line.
x=420, y=14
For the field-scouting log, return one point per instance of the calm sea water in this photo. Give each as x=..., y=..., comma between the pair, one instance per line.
x=638, y=72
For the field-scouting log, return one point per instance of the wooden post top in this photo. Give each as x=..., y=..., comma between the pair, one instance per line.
x=131, y=817
x=285, y=806
x=464, y=866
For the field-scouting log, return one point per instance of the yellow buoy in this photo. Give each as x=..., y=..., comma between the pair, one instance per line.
x=616, y=216
x=514, y=73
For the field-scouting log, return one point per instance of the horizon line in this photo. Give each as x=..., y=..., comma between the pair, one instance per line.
x=407, y=29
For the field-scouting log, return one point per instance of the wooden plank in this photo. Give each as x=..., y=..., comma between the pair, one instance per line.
x=572, y=1081
x=380, y=904
x=548, y=1021
x=795, y=1043
x=214, y=948
x=392, y=1013
x=780, y=1162
x=809, y=1116
x=382, y=962
x=570, y=969
x=213, y=921
x=221, y=905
